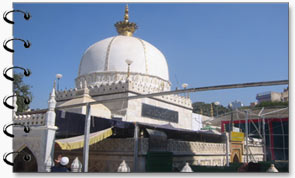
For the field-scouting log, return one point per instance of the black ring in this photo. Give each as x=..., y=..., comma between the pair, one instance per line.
x=27, y=15
x=26, y=101
x=5, y=158
x=26, y=129
x=27, y=44
x=27, y=72
x=27, y=157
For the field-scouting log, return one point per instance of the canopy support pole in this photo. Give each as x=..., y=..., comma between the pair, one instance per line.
x=136, y=131
x=246, y=133
x=86, y=138
x=226, y=139
x=264, y=140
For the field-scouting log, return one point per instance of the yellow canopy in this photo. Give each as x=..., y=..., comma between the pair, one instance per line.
x=78, y=141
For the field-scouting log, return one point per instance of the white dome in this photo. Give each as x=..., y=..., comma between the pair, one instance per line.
x=109, y=55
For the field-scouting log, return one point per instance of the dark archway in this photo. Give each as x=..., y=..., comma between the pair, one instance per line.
x=236, y=159
x=25, y=161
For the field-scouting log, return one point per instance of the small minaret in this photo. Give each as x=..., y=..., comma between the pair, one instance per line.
x=211, y=110
x=123, y=167
x=186, y=168
x=47, y=133
x=50, y=115
x=85, y=89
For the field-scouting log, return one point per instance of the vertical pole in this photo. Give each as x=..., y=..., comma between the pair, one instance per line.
x=283, y=133
x=264, y=140
x=211, y=110
x=57, y=84
x=231, y=125
x=226, y=148
x=128, y=71
x=246, y=133
x=269, y=139
x=217, y=110
x=136, y=130
x=86, y=138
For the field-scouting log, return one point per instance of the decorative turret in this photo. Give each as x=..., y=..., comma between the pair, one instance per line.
x=48, y=135
x=125, y=27
x=123, y=167
x=85, y=89
x=76, y=166
x=50, y=114
x=186, y=168
x=51, y=101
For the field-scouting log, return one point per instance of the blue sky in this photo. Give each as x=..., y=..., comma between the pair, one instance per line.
x=205, y=44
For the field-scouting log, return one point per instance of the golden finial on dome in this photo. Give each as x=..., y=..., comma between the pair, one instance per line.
x=125, y=27
x=126, y=16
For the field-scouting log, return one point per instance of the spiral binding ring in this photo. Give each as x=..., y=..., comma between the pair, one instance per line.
x=26, y=101
x=27, y=157
x=26, y=129
x=27, y=72
x=27, y=16
x=27, y=44
x=5, y=158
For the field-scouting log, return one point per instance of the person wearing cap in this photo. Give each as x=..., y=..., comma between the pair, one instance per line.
x=61, y=166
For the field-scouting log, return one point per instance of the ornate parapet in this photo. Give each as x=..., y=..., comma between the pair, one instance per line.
x=255, y=146
x=254, y=149
x=109, y=88
x=30, y=119
x=66, y=94
x=112, y=83
x=94, y=90
x=155, y=84
x=177, y=99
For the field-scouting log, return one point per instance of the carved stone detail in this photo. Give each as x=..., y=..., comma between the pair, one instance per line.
x=114, y=145
x=111, y=83
x=30, y=120
x=195, y=147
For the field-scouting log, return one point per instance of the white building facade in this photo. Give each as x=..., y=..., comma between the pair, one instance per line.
x=123, y=66
x=111, y=69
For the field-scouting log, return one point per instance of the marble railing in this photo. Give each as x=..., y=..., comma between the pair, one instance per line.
x=123, y=86
x=30, y=119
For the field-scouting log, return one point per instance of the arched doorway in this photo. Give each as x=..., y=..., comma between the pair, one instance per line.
x=25, y=161
x=236, y=159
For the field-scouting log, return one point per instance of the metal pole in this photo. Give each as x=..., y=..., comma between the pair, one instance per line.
x=151, y=95
x=58, y=84
x=231, y=125
x=264, y=140
x=226, y=148
x=217, y=110
x=128, y=71
x=246, y=133
x=283, y=132
x=136, y=130
x=86, y=138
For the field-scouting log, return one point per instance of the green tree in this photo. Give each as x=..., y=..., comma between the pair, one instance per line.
x=21, y=90
x=272, y=104
x=205, y=109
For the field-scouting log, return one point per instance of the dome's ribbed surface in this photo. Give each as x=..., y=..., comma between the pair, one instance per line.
x=109, y=55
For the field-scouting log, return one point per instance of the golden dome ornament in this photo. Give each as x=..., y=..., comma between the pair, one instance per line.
x=125, y=27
